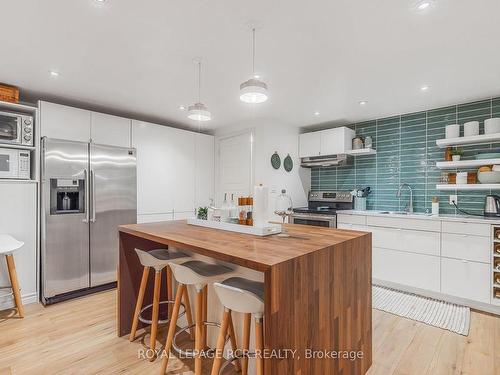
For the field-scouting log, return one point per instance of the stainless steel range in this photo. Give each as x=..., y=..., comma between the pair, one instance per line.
x=322, y=208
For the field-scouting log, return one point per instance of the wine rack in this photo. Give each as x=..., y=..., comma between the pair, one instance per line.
x=496, y=265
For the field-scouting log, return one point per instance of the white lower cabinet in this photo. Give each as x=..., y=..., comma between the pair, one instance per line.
x=414, y=270
x=465, y=279
x=406, y=240
x=465, y=246
x=153, y=218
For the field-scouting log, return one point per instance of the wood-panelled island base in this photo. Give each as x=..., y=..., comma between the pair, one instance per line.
x=317, y=289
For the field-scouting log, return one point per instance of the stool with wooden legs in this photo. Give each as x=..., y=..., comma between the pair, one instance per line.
x=8, y=245
x=247, y=297
x=157, y=259
x=199, y=274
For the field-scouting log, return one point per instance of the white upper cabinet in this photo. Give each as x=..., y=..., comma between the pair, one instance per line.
x=155, y=173
x=336, y=141
x=326, y=142
x=309, y=144
x=63, y=122
x=110, y=130
x=204, y=150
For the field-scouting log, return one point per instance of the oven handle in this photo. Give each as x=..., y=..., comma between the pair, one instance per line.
x=313, y=217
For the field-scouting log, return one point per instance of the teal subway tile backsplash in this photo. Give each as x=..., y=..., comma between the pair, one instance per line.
x=407, y=152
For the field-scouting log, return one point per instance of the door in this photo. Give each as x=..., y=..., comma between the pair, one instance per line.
x=113, y=203
x=110, y=130
x=63, y=122
x=234, y=166
x=65, y=236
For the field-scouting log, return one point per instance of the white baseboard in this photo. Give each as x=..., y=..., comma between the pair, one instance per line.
x=8, y=302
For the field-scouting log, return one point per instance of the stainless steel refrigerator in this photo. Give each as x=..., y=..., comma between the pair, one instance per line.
x=88, y=190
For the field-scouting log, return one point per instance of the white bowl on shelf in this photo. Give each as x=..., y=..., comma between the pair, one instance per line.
x=492, y=125
x=452, y=131
x=492, y=177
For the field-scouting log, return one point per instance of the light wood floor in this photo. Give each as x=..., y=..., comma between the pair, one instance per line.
x=78, y=337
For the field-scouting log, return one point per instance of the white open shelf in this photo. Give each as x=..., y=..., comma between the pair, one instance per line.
x=475, y=139
x=466, y=163
x=362, y=151
x=468, y=187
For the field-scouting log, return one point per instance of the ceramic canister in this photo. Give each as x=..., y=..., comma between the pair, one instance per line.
x=452, y=131
x=471, y=128
x=492, y=126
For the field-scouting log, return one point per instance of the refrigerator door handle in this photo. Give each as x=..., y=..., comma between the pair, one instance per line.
x=87, y=203
x=92, y=184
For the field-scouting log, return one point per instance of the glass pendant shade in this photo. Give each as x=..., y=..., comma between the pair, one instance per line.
x=199, y=112
x=253, y=91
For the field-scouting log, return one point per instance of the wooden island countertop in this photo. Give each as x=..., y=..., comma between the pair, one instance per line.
x=317, y=287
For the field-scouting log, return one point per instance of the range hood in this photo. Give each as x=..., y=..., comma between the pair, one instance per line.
x=323, y=161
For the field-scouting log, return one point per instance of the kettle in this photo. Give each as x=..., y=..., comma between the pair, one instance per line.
x=492, y=206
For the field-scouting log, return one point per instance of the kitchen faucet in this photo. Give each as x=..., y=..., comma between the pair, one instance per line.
x=409, y=207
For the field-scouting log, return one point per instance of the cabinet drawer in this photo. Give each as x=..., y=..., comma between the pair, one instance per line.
x=362, y=228
x=404, y=223
x=416, y=270
x=351, y=219
x=465, y=279
x=475, y=229
x=406, y=240
x=465, y=246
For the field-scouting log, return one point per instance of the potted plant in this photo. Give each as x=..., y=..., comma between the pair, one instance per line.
x=456, y=154
x=202, y=213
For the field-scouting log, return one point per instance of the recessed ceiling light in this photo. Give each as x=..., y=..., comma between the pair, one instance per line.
x=424, y=88
x=423, y=4
x=54, y=73
x=182, y=108
x=316, y=113
x=363, y=102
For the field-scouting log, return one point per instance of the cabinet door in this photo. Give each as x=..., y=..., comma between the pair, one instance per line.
x=416, y=270
x=18, y=202
x=332, y=142
x=465, y=246
x=110, y=130
x=406, y=240
x=155, y=168
x=204, y=177
x=182, y=145
x=62, y=122
x=309, y=144
x=466, y=279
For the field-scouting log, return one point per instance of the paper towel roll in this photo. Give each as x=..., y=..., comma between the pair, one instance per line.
x=260, y=206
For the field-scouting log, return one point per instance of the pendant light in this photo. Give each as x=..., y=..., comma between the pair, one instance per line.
x=199, y=111
x=254, y=90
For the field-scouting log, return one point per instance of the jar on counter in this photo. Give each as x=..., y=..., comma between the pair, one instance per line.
x=249, y=220
x=242, y=210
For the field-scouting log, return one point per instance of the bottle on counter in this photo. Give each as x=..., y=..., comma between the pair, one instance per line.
x=234, y=212
x=225, y=210
x=249, y=220
x=435, y=206
x=242, y=210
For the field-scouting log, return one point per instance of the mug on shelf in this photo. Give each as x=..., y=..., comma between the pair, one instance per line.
x=492, y=125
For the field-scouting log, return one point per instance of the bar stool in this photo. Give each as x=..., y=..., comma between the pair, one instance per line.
x=247, y=297
x=8, y=245
x=199, y=274
x=157, y=259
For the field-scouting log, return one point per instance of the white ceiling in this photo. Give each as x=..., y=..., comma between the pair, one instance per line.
x=136, y=57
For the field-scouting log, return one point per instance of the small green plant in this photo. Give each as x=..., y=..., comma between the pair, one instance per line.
x=457, y=151
x=202, y=213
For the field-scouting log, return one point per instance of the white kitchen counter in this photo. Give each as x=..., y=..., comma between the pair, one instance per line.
x=424, y=216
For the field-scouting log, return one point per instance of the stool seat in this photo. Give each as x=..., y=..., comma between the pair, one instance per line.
x=9, y=244
x=255, y=287
x=241, y=295
x=159, y=258
x=199, y=273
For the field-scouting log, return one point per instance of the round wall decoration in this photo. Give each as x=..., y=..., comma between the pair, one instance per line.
x=276, y=160
x=288, y=163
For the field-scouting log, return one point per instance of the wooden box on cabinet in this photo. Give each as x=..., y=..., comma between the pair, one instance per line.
x=9, y=93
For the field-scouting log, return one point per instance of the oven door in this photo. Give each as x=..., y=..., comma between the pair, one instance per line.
x=317, y=220
x=10, y=128
x=9, y=163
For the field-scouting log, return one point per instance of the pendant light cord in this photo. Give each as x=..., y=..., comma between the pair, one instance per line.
x=199, y=81
x=253, y=53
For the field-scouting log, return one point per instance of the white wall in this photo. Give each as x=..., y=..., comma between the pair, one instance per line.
x=268, y=138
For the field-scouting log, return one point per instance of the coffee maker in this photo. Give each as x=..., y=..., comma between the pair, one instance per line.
x=492, y=206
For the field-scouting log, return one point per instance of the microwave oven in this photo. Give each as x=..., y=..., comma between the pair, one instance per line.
x=16, y=128
x=14, y=163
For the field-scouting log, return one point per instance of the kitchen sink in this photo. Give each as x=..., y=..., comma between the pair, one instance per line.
x=393, y=212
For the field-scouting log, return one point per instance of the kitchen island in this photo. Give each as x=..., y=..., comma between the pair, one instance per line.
x=317, y=289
